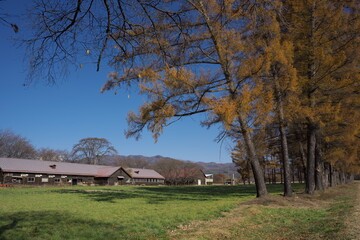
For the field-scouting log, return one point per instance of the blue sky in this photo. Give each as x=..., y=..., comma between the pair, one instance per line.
x=59, y=116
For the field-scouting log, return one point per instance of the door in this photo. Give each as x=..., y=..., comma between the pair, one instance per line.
x=74, y=182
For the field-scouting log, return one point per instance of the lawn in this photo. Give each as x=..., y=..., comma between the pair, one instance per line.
x=121, y=212
x=322, y=216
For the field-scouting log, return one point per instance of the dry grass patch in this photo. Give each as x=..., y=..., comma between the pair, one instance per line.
x=297, y=201
x=321, y=216
x=353, y=222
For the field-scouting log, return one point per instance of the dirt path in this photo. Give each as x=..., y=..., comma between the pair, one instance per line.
x=353, y=223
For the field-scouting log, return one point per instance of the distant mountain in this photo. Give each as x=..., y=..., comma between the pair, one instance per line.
x=144, y=161
x=225, y=168
x=114, y=160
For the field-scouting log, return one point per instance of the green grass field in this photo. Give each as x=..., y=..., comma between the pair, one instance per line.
x=121, y=212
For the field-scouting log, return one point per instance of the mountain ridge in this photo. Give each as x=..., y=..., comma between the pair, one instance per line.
x=207, y=167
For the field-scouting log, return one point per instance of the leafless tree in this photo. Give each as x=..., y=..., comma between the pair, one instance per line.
x=13, y=145
x=130, y=162
x=92, y=150
x=220, y=178
x=5, y=21
x=177, y=172
x=48, y=154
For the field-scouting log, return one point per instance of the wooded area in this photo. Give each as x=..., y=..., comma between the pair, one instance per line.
x=281, y=78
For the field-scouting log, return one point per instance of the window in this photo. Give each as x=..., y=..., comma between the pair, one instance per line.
x=57, y=180
x=17, y=180
x=31, y=179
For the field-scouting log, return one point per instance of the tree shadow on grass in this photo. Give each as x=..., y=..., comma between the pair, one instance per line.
x=53, y=225
x=206, y=191
x=159, y=194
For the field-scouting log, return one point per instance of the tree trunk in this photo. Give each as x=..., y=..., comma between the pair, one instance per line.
x=285, y=160
x=283, y=138
x=255, y=164
x=310, y=166
x=319, y=166
x=311, y=126
x=303, y=159
x=273, y=177
x=331, y=175
x=327, y=175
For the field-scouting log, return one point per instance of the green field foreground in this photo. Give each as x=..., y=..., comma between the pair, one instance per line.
x=164, y=212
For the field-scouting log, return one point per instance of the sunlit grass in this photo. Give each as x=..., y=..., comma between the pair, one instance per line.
x=121, y=212
x=129, y=212
x=318, y=217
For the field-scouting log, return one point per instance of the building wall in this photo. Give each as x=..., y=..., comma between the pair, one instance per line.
x=127, y=180
x=46, y=179
x=114, y=180
x=61, y=180
x=1, y=177
x=148, y=181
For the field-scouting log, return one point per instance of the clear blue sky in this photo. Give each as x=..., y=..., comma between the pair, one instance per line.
x=59, y=116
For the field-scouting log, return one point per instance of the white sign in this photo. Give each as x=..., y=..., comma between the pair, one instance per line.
x=24, y=175
x=44, y=180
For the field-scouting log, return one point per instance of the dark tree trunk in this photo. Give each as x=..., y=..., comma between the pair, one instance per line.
x=255, y=164
x=273, y=179
x=311, y=126
x=283, y=138
x=310, y=166
x=303, y=159
x=285, y=160
x=331, y=176
x=319, y=166
x=300, y=170
x=327, y=175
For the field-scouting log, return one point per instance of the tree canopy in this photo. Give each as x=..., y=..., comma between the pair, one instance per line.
x=244, y=65
x=92, y=150
x=13, y=145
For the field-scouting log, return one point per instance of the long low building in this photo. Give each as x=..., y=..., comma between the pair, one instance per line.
x=36, y=172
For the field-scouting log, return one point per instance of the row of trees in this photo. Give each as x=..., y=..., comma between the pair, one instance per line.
x=176, y=172
x=87, y=150
x=279, y=77
x=98, y=151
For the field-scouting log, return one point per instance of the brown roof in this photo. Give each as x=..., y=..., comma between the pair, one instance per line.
x=143, y=173
x=46, y=167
